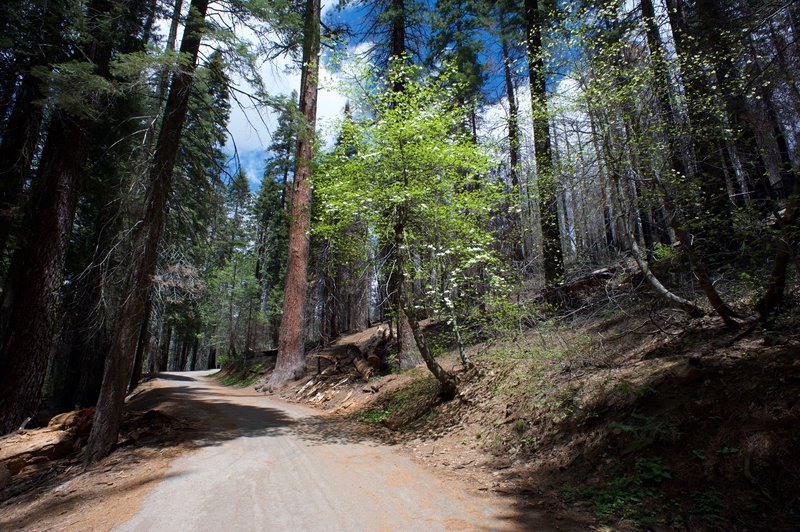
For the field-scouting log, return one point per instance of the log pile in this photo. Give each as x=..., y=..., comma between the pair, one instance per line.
x=367, y=357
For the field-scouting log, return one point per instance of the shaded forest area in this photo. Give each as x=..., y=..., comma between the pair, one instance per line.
x=494, y=160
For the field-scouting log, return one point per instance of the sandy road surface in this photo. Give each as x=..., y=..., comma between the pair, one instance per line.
x=268, y=465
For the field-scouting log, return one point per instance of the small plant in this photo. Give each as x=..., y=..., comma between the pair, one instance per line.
x=619, y=494
x=375, y=415
x=652, y=470
x=664, y=252
x=647, y=431
x=519, y=426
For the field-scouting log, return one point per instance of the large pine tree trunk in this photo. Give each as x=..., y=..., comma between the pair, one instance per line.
x=146, y=240
x=545, y=177
x=291, y=359
x=37, y=268
x=408, y=355
x=37, y=272
x=20, y=137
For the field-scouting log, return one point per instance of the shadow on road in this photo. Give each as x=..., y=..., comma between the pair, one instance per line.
x=175, y=377
x=214, y=415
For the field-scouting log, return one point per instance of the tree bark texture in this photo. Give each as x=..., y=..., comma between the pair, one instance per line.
x=290, y=363
x=16, y=151
x=146, y=242
x=553, y=256
x=37, y=269
x=37, y=272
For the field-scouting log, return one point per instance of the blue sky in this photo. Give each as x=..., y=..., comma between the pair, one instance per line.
x=250, y=128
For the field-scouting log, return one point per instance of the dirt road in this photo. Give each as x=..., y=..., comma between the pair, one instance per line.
x=268, y=465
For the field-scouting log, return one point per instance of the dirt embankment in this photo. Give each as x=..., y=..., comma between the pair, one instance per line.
x=45, y=486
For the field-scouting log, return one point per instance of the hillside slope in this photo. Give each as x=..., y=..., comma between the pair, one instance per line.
x=634, y=418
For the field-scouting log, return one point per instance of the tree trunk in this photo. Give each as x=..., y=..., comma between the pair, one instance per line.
x=770, y=303
x=16, y=151
x=515, y=221
x=37, y=272
x=397, y=38
x=141, y=347
x=193, y=359
x=212, y=358
x=290, y=364
x=448, y=387
x=87, y=339
x=407, y=356
x=146, y=241
x=710, y=163
x=545, y=177
x=683, y=304
x=513, y=127
x=164, y=349
x=713, y=183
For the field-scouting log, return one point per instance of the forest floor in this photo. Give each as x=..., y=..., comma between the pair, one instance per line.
x=629, y=418
x=617, y=417
x=53, y=490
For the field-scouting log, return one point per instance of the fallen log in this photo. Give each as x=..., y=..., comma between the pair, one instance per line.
x=333, y=363
x=33, y=447
x=362, y=366
x=374, y=360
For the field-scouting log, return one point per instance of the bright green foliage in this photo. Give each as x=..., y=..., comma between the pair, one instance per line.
x=408, y=165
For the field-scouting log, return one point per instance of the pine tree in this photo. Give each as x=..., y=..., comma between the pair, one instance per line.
x=290, y=364
x=130, y=316
x=36, y=270
x=553, y=256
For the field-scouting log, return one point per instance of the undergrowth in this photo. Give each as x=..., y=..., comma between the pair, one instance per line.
x=241, y=376
x=403, y=405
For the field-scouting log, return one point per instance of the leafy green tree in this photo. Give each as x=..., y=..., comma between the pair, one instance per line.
x=408, y=172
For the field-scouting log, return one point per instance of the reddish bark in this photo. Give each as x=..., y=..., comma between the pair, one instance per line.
x=291, y=361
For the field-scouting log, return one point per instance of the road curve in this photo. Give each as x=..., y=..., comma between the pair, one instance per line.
x=273, y=466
